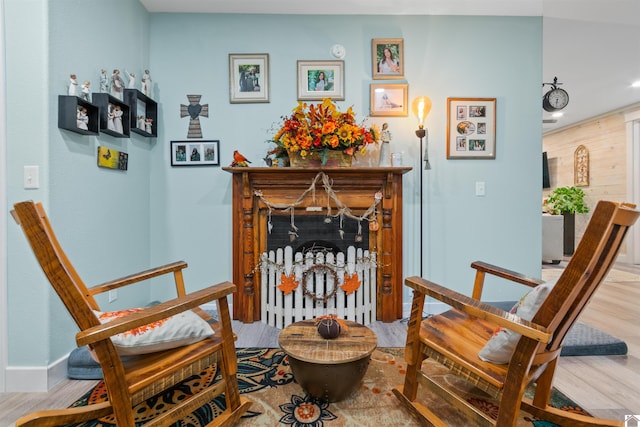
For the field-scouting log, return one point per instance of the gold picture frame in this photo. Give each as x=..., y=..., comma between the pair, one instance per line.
x=471, y=128
x=389, y=100
x=320, y=79
x=387, y=59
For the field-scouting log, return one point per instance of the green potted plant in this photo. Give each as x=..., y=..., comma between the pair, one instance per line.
x=567, y=201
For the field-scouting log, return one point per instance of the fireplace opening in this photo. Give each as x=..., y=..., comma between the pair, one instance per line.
x=317, y=233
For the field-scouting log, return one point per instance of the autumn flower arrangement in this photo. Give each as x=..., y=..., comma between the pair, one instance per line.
x=321, y=128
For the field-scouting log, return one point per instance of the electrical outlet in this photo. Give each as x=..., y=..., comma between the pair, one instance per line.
x=479, y=188
x=113, y=295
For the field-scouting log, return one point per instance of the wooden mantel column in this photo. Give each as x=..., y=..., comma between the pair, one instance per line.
x=354, y=186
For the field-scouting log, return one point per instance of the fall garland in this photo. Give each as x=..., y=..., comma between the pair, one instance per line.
x=288, y=283
x=343, y=211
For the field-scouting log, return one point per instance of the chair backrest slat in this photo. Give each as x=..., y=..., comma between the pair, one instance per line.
x=55, y=264
x=589, y=265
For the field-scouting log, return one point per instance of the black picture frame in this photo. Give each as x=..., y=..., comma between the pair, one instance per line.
x=195, y=153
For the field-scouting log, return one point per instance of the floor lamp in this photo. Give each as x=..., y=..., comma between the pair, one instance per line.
x=421, y=107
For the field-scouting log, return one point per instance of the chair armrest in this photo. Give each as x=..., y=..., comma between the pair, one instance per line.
x=478, y=309
x=138, y=277
x=483, y=268
x=154, y=313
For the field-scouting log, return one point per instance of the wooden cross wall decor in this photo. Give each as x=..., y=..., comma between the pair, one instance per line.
x=194, y=110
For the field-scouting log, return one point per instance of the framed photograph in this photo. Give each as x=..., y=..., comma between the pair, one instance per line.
x=387, y=56
x=471, y=128
x=195, y=153
x=389, y=100
x=321, y=79
x=248, y=77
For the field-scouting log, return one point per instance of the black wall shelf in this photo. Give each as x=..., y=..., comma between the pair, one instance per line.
x=68, y=107
x=141, y=105
x=106, y=103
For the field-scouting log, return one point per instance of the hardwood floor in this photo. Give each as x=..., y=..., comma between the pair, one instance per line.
x=606, y=386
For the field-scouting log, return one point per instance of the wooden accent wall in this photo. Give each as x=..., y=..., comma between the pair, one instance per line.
x=606, y=138
x=356, y=188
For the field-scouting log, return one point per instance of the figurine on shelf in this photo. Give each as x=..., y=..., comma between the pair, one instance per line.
x=117, y=84
x=82, y=119
x=104, y=81
x=141, y=122
x=110, y=117
x=146, y=83
x=148, y=125
x=73, y=85
x=132, y=80
x=117, y=119
x=85, y=94
x=385, y=149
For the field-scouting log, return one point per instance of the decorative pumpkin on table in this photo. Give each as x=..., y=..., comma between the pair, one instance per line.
x=329, y=326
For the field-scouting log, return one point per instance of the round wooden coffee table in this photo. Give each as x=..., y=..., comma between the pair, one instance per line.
x=328, y=369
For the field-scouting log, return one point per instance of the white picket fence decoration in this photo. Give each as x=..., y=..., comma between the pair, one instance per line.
x=280, y=310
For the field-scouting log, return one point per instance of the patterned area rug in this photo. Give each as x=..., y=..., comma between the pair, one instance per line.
x=265, y=375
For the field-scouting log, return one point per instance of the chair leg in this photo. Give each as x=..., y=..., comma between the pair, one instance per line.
x=544, y=383
x=412, y=354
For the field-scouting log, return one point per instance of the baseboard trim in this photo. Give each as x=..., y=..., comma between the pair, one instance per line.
x=430, y=308
x=31, y=379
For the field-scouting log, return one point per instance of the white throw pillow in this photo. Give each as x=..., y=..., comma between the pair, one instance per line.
x=503, y=343
x=175, y=331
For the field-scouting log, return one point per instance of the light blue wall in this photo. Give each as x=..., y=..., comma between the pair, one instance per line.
x=445, y=57
x=101, y=216
x=113, y=223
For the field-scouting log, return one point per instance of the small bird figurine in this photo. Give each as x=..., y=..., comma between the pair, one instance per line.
x=239, y=160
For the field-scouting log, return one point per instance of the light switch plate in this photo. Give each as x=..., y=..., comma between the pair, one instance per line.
x=31, y=177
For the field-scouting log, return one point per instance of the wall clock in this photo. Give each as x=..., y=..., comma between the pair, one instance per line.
x=555, y=99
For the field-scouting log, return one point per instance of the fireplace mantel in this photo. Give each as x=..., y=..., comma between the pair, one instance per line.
x=355, y=187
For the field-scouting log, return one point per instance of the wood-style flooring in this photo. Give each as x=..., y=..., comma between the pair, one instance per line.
x=606, y=386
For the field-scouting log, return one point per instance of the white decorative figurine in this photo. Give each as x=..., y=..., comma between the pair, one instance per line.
x=148, y=125
x=82, y=119
x=73, y=85
x=85, y=91
x=146, y=83
x=104, y=81
x=132, y=80
x=385, y=149
x=117, y=84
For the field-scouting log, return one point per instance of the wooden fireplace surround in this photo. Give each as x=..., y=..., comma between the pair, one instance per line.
x=355, y=187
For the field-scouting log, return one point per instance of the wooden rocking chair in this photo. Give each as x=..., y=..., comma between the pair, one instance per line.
x=455, y=338
x=133, y=379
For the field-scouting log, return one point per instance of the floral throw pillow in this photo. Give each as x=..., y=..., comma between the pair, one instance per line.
x=175, y=331
x=503, y=343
